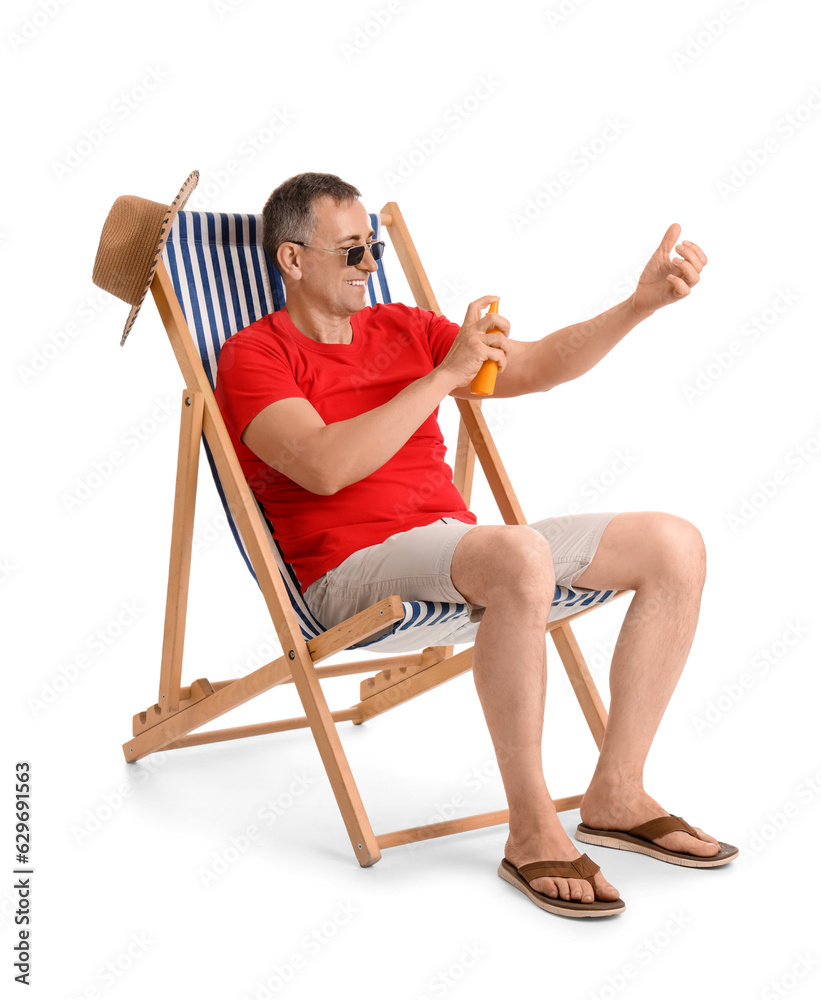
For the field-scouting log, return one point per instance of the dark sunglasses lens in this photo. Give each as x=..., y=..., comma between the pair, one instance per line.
x=356, y=254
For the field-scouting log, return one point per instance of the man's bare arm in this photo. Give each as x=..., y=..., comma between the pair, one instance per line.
x=291, y=437
x=570, y=352
x=537, y=366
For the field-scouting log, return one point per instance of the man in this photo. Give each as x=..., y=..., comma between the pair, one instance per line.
x=332, y=408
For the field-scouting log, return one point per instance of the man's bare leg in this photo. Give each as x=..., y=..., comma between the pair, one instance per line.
x=509, y=570
x=661, y=557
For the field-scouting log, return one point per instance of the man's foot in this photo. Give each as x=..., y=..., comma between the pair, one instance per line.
x=621, y=812
x=553, y=844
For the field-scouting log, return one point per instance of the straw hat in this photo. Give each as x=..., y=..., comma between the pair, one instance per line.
x=131, y=244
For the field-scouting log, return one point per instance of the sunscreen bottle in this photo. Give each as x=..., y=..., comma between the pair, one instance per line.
x=484, y=382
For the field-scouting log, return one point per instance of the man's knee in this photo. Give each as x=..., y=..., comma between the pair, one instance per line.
x=679, y=551
x=500, y=561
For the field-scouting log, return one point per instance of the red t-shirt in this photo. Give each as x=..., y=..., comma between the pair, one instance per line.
x=393, y=345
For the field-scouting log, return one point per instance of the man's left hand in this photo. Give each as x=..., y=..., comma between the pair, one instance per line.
x=664, y=281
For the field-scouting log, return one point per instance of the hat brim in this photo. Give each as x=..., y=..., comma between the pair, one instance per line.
x=165, y=230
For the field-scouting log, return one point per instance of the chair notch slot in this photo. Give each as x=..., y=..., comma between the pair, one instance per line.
x=394, y=675
x=155, y=714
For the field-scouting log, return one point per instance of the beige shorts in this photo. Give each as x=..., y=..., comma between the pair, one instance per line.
x=416, y=565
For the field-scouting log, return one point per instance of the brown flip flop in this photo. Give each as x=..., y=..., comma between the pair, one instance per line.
x=582, y=868
x=640, y=839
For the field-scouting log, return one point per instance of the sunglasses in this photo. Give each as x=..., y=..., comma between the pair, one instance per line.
x=354, y=255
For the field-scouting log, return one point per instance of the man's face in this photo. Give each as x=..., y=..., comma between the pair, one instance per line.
x=327, y=282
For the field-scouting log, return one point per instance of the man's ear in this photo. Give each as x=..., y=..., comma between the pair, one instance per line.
x=288, y=258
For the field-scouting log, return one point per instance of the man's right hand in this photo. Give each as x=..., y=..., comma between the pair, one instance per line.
x=292, y=437
x=475, y=344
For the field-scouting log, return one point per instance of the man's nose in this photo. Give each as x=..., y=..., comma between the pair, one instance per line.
x=367, y=263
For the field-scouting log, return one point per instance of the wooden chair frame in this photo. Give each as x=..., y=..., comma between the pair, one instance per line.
x=170, y=723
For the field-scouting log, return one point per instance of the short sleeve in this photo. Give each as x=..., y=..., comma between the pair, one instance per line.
x=250, y=376
x=441, y=334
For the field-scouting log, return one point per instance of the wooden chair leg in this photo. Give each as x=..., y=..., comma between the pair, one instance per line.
x=324, y=730
x=182, y=533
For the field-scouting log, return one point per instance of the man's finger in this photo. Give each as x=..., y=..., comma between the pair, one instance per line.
x=474, y=310
x=668, y=241
x=493, y=321
x=688, y=253
x=695, y=250
x=688, y=270
x=499, y=341
x=680, y=286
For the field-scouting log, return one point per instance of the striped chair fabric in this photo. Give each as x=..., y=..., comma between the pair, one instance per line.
x=224, y=281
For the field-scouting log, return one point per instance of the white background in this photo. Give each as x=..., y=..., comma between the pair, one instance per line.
x=703, y=110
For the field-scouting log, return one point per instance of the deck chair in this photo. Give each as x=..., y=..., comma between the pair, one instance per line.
x=214, y=279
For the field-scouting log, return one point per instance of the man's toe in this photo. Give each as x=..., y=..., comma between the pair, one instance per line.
x=604, y=890
x=563, y=887
x=701, y=846
x=575, y=890
x=546, y=886
x=707, y=837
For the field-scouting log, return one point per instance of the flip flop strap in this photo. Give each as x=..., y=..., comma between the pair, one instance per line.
x=581, y=867
x=658, y=827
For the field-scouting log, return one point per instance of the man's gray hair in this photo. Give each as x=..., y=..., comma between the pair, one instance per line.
x=289, y=216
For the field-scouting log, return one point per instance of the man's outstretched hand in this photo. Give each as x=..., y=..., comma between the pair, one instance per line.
x=664, y=281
